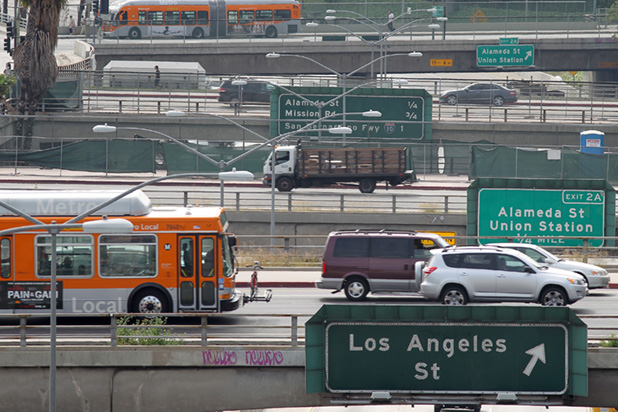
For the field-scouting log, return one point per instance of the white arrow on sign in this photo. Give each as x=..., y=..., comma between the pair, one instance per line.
x=538, y=354
x=528, y=55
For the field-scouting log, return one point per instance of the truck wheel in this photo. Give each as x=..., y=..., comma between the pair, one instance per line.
x=367, y=186
x=284, y=184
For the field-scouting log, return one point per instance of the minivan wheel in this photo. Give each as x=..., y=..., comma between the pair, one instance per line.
x=454, y=295
x=356, y=289
x=554, y=296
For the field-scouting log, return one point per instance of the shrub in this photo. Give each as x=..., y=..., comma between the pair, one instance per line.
x=149, y=331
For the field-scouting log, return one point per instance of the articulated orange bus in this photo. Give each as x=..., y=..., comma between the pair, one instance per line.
x=177, y=259
x=201, y=18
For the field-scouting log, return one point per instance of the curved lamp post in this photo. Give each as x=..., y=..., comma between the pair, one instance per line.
x=341, y=76
x=222, y=175
x=116, y=225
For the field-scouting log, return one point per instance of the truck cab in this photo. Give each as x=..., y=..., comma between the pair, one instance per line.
x=285, y=166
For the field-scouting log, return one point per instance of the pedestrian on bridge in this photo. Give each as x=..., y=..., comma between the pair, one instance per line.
x=391, y=20
x=157, y=77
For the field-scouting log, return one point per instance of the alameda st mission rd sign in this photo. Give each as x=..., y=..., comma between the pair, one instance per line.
x=562, y=217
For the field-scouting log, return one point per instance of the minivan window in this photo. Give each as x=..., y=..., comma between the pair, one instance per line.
x=394, y=248
x=351, y=247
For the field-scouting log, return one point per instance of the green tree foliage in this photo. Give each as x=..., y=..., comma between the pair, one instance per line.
x=612, y=14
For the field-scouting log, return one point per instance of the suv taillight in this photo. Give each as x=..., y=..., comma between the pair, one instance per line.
x=323, y=267
x=428, y=270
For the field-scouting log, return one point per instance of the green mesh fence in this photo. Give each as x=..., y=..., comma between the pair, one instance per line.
x=113, y=156
x=180, y=160
x=506, y=162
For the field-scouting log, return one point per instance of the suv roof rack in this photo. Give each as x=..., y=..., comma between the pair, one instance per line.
x=389, y=231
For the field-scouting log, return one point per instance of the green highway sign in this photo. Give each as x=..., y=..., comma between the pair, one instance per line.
x=505, y=55
x=406, y=114
x=437, y=357
x=509, y=40
x=563, y=216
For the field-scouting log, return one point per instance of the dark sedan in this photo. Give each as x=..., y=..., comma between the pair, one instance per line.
x=481, y=93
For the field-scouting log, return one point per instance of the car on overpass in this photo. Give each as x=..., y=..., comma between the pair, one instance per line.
x=480, y=93
x=458, y=275
x=236, y=93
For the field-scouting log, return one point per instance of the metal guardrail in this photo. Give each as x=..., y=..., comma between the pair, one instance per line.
x=188, y=329
x=206, y=330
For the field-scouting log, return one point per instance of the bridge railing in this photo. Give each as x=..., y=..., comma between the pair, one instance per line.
x=202, y=330
x=569, y=100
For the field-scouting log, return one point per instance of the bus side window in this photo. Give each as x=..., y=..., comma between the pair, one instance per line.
x=247, y=16
x=143, y=18
x=264, y=15
x=232, y=17
x=283, y=15
x=202, y=18
x=188, y=18
x=155, y=17
x=5, y=254
x=172, y=18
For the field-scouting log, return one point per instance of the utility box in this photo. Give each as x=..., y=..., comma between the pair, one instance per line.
x=592, y=141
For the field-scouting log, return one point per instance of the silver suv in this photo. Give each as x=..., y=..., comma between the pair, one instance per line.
x=458, y=275
x=596, y=277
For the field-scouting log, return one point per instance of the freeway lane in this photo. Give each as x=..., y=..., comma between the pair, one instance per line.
x=270, y=322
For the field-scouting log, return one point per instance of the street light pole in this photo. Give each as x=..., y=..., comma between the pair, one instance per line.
x=241, y=175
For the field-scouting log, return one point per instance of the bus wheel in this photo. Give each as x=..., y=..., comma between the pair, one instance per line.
x=198, y=33
x=271, y=32
x=135, y=34
x=149, y=301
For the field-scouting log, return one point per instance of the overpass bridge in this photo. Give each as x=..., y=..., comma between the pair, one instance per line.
x=213, y=378
x=591, y=52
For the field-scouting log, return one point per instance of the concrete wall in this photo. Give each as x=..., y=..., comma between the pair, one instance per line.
x=203, y=127
x=163, y=379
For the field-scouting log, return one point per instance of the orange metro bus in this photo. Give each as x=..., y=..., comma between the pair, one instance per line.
x=135, y=19
x=177, y=259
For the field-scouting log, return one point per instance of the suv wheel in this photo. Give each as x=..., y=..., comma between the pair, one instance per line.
x=453, y=295
x=554, y=296
x=356, y=289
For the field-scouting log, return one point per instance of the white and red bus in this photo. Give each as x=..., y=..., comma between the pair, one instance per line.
x=198, y=19
x=177, y=259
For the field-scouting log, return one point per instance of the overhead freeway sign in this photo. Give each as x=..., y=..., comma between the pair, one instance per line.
x=406, y=113
x=437, y=357
x=562, y=217
x=527, y=351
x=505, y=55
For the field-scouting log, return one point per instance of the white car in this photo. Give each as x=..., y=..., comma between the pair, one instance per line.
x=596, y=277
x=456, y=276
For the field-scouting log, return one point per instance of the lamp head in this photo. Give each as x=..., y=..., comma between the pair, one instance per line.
x=104, y=128
x=239, y=82
x=331, y=11
x=175, y=113
x=433, y=26
x=312, y=24
x=415, y=54
x=273, y=55
x=330, y=18
x=340, y=130
x=372, y=113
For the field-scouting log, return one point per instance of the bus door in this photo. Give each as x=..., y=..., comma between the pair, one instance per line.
x=197, y=289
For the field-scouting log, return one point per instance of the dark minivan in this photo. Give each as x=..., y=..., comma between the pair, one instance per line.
x=255, y=91
x=376, y=261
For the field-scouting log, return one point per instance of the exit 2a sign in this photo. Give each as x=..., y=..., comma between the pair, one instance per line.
x=431, y=357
